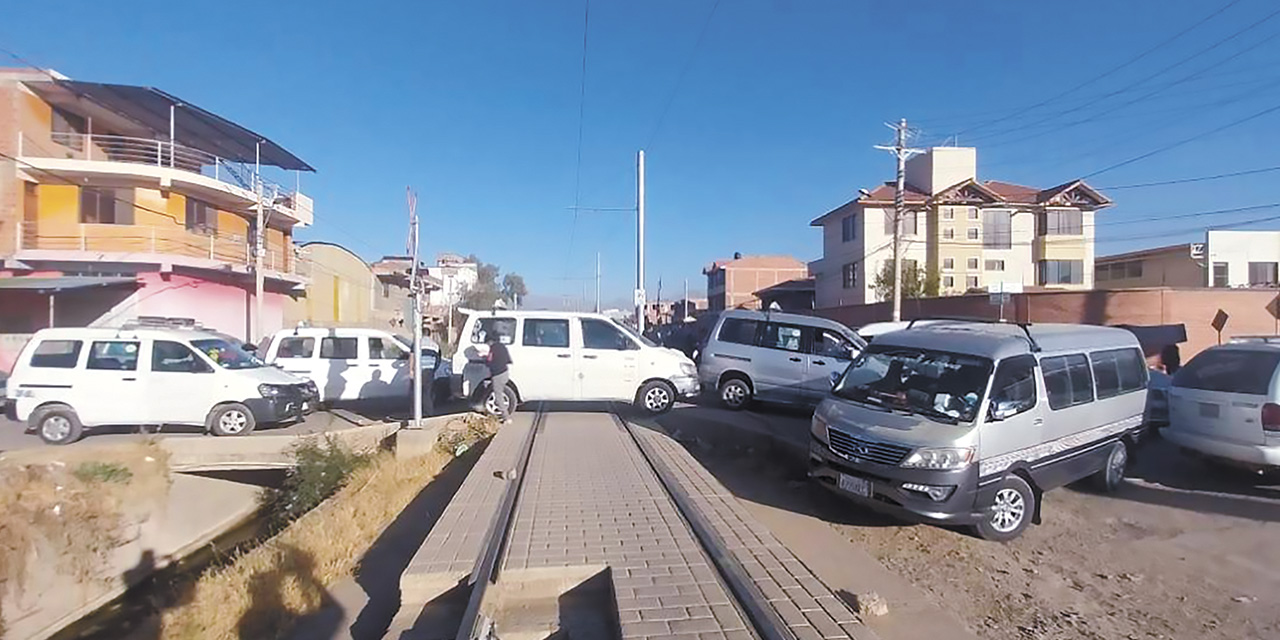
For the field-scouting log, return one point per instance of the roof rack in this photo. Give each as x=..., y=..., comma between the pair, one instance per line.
x=161, y=322
x=1025, y=326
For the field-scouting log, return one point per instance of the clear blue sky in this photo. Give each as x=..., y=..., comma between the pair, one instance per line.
x=475, y=103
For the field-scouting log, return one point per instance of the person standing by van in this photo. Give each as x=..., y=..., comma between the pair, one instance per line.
x=499, y=360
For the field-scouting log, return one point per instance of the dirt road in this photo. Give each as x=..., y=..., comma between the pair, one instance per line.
x=1181, y=551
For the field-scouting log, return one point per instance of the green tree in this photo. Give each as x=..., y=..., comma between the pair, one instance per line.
x=513, y=287
x=488, y=288
x=917, y=282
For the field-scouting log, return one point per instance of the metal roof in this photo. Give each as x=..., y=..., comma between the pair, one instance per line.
x=61, y=283
x=193, y=126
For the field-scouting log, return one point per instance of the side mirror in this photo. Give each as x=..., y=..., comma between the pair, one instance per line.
x=835, y=378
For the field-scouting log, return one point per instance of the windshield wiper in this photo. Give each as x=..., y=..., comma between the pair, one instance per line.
x=937, y=415
x=866, y=400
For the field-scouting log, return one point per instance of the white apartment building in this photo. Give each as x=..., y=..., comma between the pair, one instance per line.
x=456, y=275
x=975, y=234
x=1225, y=259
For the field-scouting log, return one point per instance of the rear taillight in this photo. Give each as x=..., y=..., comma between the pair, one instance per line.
x=1271, y=418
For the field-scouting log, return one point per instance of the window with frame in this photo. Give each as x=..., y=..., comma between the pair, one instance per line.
x=1062, y=222
x=105, y=206
x=948, y=213
x=849, y=275
x=296, y=347
x=971, y=282
x=546, y=332
x=113, y=355
x=504, y=328
x=386, y=349
x=948, y=263
x=831, y=344
x=949, y=234
x=56, y=354
x=995, y=265
x=333, y=348
x=849, y=228
x=174, y=357
x=1118, y=371
x=972, y=233
x=1061, y=272
x=1068, y=380
x=948, y=281
x=997, y=229
x=1221, y=274
x=786, y=337
x=973, y=213
x=908, y=226
x=598, y=334
x=739, y=331
x=973, y=263
x=201, y=216
x=1262, y=274
x=1013, y=389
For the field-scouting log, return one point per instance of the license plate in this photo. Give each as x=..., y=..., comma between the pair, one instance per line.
x=856, y=486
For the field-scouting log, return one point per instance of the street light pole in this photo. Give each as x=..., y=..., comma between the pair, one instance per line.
x=640, y=241
x=901, y=152
x=415, y=290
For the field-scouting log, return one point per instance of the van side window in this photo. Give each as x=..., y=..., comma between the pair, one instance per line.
x=787, y=337
x=296, y=347
x=1068, y=380
x=546, y=333
x=1014, y=389
x=504, y=328
x=739, y=331
x=56, y=354
x=338, y=348
x=598, y=334
x=175, y=357
x=833, y=345
x=385, y=349
x=113, y=356
x=1118, y=371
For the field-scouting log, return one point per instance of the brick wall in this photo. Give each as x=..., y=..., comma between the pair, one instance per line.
x=1251, y=311
x=10, y=187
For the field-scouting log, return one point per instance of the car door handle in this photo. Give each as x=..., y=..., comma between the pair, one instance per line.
x=589, y=357
x=795, y=359
x=821, y=362
x=564, y=355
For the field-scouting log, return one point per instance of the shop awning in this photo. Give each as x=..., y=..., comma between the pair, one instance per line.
x=58, y=284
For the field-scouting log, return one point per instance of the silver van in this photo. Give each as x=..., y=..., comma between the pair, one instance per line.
x=969, y=423
x=774, y=357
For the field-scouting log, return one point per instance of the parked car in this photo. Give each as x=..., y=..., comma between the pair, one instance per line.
x=1225, y=404
x=69, y=379
x=569, y=356
x=969, y=423
x=1158, y=383
x=774, y=357
x=348, y=363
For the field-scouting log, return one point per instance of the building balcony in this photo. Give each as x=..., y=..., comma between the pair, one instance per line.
x=166, y=247
x=232, y=185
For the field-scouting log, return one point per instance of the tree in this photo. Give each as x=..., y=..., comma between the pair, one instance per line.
x=916, y=282
x=487, y=290
x=513, y=287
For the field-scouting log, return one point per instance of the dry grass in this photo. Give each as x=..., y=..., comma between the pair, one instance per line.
x=73, y=505
x=264, y=591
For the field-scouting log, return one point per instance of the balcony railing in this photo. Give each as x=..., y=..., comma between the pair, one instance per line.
x=160, y=241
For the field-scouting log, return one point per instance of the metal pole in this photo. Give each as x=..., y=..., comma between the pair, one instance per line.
x=899, y=202
x=415, y=289
x=640, y=241
x=597, y=282
x=260, y=249
x=171, y=136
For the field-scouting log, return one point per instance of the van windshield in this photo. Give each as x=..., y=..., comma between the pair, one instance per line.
x=227, y=355
x=946, y=387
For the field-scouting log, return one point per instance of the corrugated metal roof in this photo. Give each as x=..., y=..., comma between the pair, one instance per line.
x=56, y=284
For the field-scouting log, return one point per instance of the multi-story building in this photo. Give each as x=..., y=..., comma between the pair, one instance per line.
x=732, y=284
x=457, y=275
x=973, y=234
x=120, y=201
x=1225, y=259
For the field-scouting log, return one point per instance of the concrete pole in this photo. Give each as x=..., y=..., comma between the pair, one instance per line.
x=415, y=290
x=899, y=203
x=260, y=249
x=640, y=240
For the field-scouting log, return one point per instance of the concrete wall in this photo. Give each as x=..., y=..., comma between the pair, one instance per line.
x=340, y=292
x=1251, y=311
x=942, y=167
x=1238, y=249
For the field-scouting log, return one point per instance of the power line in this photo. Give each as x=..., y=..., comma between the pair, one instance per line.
x=697, y=45
x=582, y=106
x=1143, y=185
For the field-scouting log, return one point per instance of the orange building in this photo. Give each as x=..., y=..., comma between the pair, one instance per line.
x=732, y=284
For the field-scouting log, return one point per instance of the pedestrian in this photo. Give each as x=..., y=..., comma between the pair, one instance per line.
x=1171, y=358
x=499, y=360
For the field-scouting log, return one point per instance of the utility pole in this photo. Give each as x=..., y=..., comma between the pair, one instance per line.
x=640, y=297
x=259, y=247
x=415, y=290
x=597, y=282
x=901, y=152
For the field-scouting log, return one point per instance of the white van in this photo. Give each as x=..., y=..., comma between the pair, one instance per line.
x=570, y=356
x=66, y=380
x=348, y=363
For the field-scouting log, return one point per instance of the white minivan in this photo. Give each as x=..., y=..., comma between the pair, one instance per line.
x=348, y=363
x=68, y=379
x=570, y=356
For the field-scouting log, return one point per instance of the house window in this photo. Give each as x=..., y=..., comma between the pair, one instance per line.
x=948, y=263
x=997, y=229
x=201, y=217
x=908, y=265
x=106, y=206
x=973, y=213
x=948, y=234
x=849, y=228
x=973, y=233
x=1061, y=222
x=849, y=275
x=995, y=265
x=908, y=227
x=971, y=282
x=1133, y=269
x=948, y=281
x=1262, y=274
x=1061, y=272
x=973, y=264
x=1221, y=274
x=948, y=213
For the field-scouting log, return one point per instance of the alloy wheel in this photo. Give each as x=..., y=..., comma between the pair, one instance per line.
x=233, y=421
x=1008, y=510
x=657, y=399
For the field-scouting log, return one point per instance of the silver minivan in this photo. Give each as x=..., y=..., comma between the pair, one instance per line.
x=774, y=357
x=969, y=423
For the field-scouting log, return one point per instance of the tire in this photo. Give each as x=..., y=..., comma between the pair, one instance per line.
x=232, y=419
x=58, y=425
x=490, y=401
x=735, y=394
x=1012, y=507
x=1111, y=476
x=655, y=397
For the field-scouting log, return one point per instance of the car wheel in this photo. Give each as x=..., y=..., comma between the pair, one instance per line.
x=58, y=425
x=1111, y=476
x=656, y=396
x=735, y=393
x=1012, y=506
x=508, y=398
x=232, y=419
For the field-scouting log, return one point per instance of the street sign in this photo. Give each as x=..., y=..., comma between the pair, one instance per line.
x=1219, y=321
x=997, y=299
x=639, y=297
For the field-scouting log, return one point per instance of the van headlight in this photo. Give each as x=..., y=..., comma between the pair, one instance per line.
x=688, y=369
x=268, y=390
x=818, y=428
x=941, y=458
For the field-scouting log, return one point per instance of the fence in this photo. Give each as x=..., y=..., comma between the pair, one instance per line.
x=173, y=241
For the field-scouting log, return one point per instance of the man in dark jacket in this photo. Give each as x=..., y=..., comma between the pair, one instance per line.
x=499, y=360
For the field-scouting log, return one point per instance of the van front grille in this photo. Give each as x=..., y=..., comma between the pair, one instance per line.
x=847, y=446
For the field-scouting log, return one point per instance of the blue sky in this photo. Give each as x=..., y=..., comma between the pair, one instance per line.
x=475, y=104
